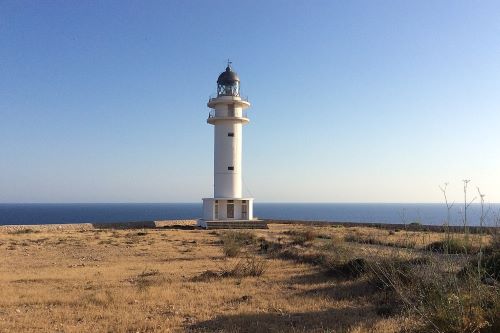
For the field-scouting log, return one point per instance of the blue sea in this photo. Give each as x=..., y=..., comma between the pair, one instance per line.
x=433, y=214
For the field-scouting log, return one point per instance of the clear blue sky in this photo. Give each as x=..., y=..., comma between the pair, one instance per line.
x=352, y=101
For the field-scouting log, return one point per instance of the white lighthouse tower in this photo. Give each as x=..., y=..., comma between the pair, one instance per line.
x=228, y=206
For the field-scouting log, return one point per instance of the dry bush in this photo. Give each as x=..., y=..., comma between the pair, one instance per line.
x=252, y=266
x=100, y=298
x=406, y=243
x=402, y=243
x=352, y=238
x=242, y=237
x=233, y=242
x=337, y=251
x=23, y=231
x=351, y=268
x=231, y=247
x=333, y=257
x=146, y=279
x=294, y=254
x=269, y=247
x=444, y=300
x=464, y=305
x=340, y=261
x=415, y=226
x=300, y=237
x=247, y=267
x=495, y=240
x=486, y=266
x=491, y=265
x=425, y=287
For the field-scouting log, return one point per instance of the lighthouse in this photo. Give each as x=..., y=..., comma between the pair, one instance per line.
x=228, y=207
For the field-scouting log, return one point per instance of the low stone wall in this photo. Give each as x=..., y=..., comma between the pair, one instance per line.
x=410, y=226
x=90, y=226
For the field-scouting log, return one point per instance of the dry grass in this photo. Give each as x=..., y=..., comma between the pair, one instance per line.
x=285, y=279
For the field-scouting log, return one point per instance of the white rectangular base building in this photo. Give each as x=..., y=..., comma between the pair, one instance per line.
x=227, y=209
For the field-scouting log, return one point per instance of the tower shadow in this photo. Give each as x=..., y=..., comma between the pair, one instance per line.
x=334, y=319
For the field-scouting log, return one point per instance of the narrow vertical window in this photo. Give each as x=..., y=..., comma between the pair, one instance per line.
x=230, y=110
x=244, y=209
x=216, y=209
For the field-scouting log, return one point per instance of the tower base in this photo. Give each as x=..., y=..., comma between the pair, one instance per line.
x=229, y=213
x=235, y=209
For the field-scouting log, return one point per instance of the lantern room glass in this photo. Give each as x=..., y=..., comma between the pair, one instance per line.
x=232, y=89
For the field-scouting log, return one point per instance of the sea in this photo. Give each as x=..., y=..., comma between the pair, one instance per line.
x=432, y=214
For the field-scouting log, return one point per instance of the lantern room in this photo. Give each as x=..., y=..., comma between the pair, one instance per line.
x=228, y=83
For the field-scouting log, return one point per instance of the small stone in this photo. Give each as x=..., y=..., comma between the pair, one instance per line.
x=489, y=281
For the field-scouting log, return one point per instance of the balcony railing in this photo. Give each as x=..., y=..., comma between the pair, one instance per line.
x=214, y=96
x=211, y=114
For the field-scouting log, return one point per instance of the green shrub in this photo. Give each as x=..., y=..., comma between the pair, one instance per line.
x=452, y=246
x=465, y=306
x=489, y=267
x=444, y=301
x=352, y=268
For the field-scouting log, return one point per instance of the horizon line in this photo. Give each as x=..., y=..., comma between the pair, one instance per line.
x=261, y=202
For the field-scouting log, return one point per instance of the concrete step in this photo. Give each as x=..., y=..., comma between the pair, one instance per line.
x=236, y=225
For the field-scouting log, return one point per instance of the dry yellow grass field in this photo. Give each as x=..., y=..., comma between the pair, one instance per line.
x=171, y=280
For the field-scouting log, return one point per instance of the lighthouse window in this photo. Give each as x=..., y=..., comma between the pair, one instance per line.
x=230, y=110
x=231, y=134
x=230, y=168
x=230, y=209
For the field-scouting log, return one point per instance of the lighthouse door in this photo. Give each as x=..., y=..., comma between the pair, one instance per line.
x=230, y=209
x=244, y=210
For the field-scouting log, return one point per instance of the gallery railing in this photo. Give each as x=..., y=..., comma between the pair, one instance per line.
x=211, y=114
x=214, y=96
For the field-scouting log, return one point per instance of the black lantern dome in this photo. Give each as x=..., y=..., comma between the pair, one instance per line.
x=228, y=83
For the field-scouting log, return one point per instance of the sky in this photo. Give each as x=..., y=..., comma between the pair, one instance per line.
x=352, y=101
